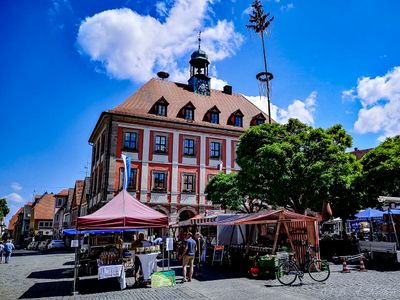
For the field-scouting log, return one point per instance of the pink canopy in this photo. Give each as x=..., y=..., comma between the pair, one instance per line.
x=123, y=211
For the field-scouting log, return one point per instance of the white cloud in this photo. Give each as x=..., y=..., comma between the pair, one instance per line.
x=161, y=8
x=132, y=46
x=349, y=95
x=17, y=187
x=248, y=10
x=287, y=7
x=302, y=110
x=380, y=100
x=14, y=197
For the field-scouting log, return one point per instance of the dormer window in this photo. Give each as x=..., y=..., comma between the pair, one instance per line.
x=212, y=115
x=257, y=120
x=236, y=119
x=159, y=108
x=187, y=112
x=214, y=118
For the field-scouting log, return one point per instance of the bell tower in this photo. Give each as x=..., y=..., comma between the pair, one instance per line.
x=199, y=80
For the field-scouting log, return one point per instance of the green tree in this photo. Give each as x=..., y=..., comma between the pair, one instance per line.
x=296, y=166
x=381, y=171
x=224, y=189
x=4, y=210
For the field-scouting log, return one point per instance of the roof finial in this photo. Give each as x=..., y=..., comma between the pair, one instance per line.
x=199, y=39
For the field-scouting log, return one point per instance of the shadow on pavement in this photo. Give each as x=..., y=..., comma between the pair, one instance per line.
x=94, y=286
x=48, y=289
x=52, y=274
x=69, y=263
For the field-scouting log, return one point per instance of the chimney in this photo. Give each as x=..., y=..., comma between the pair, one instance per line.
x=228, y=89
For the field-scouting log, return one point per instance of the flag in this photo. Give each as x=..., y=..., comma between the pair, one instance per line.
x=127, y=173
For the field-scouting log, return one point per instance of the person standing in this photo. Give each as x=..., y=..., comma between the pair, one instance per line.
x=1, y=251
x=200, y=251
x=188, y=257
x=8, y=248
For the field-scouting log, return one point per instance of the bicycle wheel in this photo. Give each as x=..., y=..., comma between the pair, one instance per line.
x=319, y=270
x=287, y=272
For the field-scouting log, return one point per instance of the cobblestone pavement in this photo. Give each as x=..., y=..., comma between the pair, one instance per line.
x=32, y=275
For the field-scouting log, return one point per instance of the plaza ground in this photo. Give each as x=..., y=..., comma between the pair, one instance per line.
x=35, y=275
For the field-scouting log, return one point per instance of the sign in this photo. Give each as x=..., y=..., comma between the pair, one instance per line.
x=170, y=244
x=74, y=243
x=218, y=255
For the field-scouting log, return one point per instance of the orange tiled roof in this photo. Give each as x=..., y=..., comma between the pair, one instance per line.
x=63, y=193
x=44, y=208
x=359, y=153
x=77, y=193
x=14, y=219
x=178, y=95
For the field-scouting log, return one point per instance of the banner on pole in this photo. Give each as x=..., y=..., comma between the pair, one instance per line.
x=127, y=168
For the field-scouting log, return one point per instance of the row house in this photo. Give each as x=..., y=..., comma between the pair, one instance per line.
x=60, y=204
x=76, y=201
x=41, y=221
x=177, y=135
x=83, y=209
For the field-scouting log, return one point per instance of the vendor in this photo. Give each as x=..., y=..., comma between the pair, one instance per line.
x=140, y=242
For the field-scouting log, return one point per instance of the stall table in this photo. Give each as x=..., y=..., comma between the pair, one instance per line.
x=149, y=263
x=113, y=271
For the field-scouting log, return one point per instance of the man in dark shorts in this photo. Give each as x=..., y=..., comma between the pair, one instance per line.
x=188, y=256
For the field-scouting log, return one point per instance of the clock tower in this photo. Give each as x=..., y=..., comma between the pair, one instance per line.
x=199, y=80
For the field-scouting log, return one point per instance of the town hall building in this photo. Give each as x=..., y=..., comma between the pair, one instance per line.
x=177, y=135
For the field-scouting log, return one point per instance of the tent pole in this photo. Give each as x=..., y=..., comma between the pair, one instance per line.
x=233, y=231
x=241, y=233
x=74, y=291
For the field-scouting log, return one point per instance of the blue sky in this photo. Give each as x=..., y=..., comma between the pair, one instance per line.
x=63, y=62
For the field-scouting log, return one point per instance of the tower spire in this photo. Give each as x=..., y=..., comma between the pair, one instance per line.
x=199, y=39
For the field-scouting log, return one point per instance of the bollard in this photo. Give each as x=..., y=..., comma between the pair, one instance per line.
x=362, y=265
x=345, y=268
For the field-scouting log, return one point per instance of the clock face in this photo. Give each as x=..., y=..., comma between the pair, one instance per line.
x=202, y=87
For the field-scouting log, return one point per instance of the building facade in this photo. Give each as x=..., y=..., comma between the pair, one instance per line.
x=177, y=135
x=41, y=221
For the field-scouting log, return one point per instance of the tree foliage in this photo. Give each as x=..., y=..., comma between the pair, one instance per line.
x=4, y=210
x=259, y=21
x=296, y=166
x=381, y=171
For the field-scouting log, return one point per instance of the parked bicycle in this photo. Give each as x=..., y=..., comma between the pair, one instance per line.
x=288, y=271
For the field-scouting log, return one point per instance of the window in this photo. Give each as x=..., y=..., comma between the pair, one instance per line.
x=188, y=147
x=160, y=144
x=188, y=114
x=130, y=140
x=159, y=181
x=59, y=202
x=161, y=110
x=259, y=121
x=238, y=121
x=188, y=183
x=132, y=179
x=215, y=150
x=214, y=118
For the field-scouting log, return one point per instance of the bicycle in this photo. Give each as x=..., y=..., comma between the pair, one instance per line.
x=288, y=271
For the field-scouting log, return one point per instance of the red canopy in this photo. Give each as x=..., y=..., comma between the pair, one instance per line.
x=123, y=211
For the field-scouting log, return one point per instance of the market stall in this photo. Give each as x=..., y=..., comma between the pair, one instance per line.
x=124, y=213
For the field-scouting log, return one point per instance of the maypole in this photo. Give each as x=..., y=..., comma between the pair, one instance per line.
x=259, y=22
